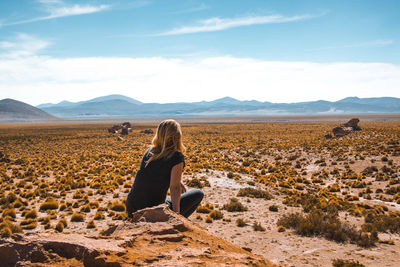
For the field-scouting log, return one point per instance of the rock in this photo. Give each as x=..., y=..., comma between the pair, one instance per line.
x=126, y=125
x=123, y=128
x=154, y=235
x=115, y=128
x=147, y=131
x=344, y=129
x=340, y=131
x=124, y=131
x=353, y=123
x=119, y=138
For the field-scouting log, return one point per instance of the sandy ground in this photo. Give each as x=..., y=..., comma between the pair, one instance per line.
x=285, y=247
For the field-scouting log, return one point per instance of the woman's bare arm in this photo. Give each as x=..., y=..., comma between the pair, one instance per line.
x=175, y=186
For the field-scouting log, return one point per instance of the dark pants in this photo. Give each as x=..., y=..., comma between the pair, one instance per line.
x=190, y=200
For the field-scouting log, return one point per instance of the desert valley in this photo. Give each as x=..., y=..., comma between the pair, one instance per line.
x=280, y=192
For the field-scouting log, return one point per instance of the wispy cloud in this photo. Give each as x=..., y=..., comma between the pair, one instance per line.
x=374, y=43
x=200, y=7
x=21, y=46
x=58, y=9
x=219, y=24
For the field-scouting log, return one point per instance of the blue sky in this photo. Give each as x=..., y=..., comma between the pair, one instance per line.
x=280, y=51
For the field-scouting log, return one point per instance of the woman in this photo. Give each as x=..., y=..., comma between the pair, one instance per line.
x=160, y=169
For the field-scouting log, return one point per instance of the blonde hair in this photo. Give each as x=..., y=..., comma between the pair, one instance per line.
x=167, y=141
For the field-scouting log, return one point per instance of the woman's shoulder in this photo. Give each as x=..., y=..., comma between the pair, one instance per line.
x=177, y=157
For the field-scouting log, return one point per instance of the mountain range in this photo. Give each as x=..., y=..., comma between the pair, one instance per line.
x=16, y=111
x=120, y=106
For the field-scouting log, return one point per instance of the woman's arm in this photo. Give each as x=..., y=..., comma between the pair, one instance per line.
x=175, y=186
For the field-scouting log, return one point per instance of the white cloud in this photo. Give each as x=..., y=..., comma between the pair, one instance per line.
x=75, y=10
x=39, y=79
x=58, y=9
x=23, y=45
x=218, y=24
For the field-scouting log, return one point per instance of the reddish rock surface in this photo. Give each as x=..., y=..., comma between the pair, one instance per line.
x=154, y=236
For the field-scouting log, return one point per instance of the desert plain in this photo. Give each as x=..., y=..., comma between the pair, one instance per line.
x=277, y=189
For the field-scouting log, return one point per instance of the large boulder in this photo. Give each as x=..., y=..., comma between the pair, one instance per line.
x=154, y=236
x=123, y=128
x=344, y=129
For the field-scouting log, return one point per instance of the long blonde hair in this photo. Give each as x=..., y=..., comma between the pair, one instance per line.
x=167, y=141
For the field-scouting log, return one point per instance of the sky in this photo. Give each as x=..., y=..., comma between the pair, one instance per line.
x=185, y=51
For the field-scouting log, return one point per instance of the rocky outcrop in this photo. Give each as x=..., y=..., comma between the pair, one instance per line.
x=154, y=236
x=344, y=129
x=123, y=128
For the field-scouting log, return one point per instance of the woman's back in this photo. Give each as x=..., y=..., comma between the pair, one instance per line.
x=152, y=181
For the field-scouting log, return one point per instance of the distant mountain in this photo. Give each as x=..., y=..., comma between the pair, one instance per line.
x=118, y=106
x=16, y=111
x=97, y=99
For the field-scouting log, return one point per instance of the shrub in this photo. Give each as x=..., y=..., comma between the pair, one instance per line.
x=63, y=206
x=327, y=225
x=28, y=224
x=216, y=214
x=240, y=222
x=32, y=214
x=10, y=213
x=77, y=217
x=346, y=263
x=273, y=208
x=14, y=228
x=64, y=222
x=45, y=220
x=234, y=205
x=99, y=215
x=118, y=206
x=119, y=216
x=257, y=227
x=94, y=204
x=202, y=209
x=91, y=224
x=60, y=227
x=207, y=208
x=252, y=192
x=85, y=208
x=197, y=182
x=281, y=229
x=209, y=219
x=49, y=204
x=5, y=232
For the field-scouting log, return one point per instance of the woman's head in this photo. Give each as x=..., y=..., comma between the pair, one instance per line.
x=167, y=141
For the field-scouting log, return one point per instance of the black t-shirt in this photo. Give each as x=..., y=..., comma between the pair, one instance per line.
x=152, y=181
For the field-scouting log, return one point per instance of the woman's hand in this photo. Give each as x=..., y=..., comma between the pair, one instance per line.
x=183, y=188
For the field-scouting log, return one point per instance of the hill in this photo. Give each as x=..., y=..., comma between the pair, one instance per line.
x=117, y=106
x=16, y=111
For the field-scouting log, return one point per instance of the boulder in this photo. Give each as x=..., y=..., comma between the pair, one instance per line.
x=344, y=129
x=123, y=128
x=154, y=236
x=147, y=131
